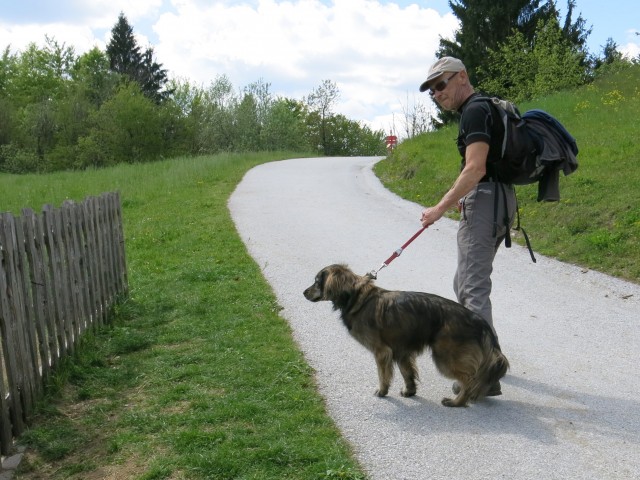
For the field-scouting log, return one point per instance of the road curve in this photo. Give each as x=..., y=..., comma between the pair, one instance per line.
x=569, y=408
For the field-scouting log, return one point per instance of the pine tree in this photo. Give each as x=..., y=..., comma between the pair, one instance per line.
x=127, y=59
x=123, y=50
x=485, y=24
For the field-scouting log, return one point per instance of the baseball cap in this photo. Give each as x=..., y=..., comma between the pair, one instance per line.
x=442, y=65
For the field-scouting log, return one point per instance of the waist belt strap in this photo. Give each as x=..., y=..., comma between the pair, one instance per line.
x=507, y=238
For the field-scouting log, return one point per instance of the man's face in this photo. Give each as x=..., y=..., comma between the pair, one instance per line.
x=444, y=90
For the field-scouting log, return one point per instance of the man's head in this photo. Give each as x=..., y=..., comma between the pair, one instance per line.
x=448, y=83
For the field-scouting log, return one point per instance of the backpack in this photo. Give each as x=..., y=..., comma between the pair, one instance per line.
x=535, y=148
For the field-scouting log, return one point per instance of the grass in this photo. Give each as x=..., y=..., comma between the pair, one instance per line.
x=596, y=224
x=198, y=376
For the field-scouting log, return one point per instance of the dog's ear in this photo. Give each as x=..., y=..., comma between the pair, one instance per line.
x=340, y=285
x=321, y=279
x=329, y=283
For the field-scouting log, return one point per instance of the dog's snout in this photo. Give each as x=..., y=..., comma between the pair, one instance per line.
x=312, y=294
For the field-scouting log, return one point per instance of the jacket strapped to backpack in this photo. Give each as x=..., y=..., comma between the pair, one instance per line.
x=535, y=148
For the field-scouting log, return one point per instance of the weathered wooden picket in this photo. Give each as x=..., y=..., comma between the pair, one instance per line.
x=60, y=273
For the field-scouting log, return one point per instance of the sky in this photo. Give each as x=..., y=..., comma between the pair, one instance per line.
x=376, y=52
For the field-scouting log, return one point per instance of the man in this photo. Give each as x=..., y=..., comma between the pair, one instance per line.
x=487, y=207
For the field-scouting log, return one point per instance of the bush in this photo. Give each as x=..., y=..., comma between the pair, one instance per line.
x=16, y=160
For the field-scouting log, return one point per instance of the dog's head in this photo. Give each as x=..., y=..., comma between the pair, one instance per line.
x=336, y=283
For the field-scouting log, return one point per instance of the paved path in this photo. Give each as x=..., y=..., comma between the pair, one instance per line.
x=569, y=408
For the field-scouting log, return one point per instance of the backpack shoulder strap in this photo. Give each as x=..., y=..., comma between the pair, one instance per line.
x=504, y=109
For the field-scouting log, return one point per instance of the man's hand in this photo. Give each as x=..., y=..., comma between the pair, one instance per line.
x=430, y=215
x=474, y=169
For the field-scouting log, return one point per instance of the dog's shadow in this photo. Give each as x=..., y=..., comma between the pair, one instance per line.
x=552, y=413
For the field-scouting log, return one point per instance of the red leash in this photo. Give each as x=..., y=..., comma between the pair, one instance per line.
x=396, y=254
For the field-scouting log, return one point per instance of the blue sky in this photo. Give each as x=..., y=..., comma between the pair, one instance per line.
x=376, y=51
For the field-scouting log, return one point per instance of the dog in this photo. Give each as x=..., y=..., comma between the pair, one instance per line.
x=396, y=326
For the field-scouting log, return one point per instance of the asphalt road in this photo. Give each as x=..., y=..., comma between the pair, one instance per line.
x=569, y=408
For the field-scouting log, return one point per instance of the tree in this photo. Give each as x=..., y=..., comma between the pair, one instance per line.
x=519, y=70
x=348, y=138
x=321, y=101
x=126, y=129
x=126, y=58
x=610, y=52
x=417, y=118
x=215, y=117
x=91, y=72
x=284, y=126
x=576, y=33
x=7, y=106
x=247, y=126
x=559, y=61
x=39, y=74
x=260, y=92
x=123, y=50
x=510, y=70
x=485, y=24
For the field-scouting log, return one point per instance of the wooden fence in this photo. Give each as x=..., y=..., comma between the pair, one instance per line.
x=60, y=273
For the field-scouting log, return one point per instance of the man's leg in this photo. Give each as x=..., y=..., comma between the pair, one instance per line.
x=477, y=246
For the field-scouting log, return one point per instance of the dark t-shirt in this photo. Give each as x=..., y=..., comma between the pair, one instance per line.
x=477, y=125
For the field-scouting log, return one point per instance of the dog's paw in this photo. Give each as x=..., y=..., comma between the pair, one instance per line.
x=407, y=393
x=381, y=393
x=448, y=402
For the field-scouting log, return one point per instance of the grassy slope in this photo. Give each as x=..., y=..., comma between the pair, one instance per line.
x=597, y=222
x=198, y=377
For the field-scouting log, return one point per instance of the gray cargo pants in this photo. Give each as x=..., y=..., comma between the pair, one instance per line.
x=477, y=244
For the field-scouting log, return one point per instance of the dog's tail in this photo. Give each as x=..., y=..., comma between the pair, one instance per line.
x=493, y=367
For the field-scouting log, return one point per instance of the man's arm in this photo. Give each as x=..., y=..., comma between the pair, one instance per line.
x=475, y=168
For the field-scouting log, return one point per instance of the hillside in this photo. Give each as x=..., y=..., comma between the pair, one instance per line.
x=596, y=224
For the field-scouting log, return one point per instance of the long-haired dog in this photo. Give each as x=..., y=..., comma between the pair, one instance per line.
x=397, y=326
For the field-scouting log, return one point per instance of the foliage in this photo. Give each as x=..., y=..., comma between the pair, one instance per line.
x=125, y=129
x=520, y=71
x=596, y=224
x=558, y=61
x=495, y=41
x=320, y=102
x=485, y=24
x=126, y=58
x=60, y=111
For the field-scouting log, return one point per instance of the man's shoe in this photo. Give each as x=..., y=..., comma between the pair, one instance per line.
x=494, y=391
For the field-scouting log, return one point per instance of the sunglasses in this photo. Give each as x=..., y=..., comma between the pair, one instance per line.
x=441, y=85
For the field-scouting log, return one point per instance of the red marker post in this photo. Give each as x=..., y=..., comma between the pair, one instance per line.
x=392, y=142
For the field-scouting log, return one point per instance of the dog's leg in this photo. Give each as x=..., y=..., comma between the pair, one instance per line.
x=384, y=361
x=462, y=400
x=409, y=370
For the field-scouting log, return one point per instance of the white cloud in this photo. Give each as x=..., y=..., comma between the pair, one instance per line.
x=374, y=52
x=18, y=37
x=630, y=50
x=82, y=26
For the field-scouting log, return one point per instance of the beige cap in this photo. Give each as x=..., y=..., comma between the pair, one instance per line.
x=444, y=64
